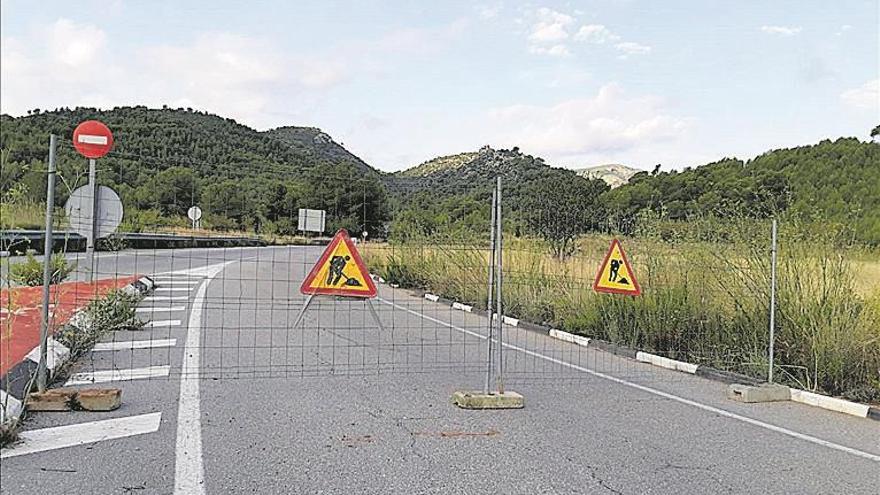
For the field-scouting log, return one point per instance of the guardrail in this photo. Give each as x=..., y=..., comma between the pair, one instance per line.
x=18, y=241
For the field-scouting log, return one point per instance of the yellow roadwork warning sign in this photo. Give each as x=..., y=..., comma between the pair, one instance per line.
x=339, y=272
x=616, y=275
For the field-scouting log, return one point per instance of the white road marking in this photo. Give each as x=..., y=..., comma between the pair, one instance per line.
x=153, y=309
x=653, y=391
x=59, y=437
x=189, y=472
x=188, y=283
x=134, y=344
x=172, y=289
x=162, y=323
x=121, y=375
x=165, y=298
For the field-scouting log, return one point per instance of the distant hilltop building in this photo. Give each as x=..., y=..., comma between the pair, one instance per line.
x=615, y=174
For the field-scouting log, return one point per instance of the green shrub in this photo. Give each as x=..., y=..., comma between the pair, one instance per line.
x=114, y=311
x=30, y=271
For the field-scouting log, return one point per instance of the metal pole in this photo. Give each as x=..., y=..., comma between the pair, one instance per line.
x=772, y=300
x=489, y=300
x=93, y=222
x=498, y=280
x=47, y=267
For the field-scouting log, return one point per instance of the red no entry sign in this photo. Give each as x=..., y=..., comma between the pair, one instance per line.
x=92, y=139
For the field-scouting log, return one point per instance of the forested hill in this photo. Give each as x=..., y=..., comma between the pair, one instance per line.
x=836, y=181
x=165, y=160
x=475, y=172
x=314, y=141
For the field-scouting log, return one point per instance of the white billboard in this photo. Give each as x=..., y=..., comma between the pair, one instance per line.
x=311, y=220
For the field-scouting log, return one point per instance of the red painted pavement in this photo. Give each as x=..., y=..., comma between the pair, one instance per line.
x=20, y=317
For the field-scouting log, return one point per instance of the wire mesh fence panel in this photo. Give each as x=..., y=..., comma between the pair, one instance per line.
x=223, y=300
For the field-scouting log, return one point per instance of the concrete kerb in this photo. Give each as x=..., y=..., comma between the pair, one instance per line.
x=16, y=384
x=703, y=371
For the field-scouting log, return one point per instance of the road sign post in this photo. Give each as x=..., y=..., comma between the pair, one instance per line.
x=93, y=223
x=195, y=214
x=92, y=139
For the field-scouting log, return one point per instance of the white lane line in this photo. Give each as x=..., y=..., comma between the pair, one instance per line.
x=134, y=344
x=660, y=393
x=162, y=323
x=59, y=437
x=165, y=298
x=189, y=472
x=121, y=375
x=188, y=283
x=172, y=289
x=154, y=309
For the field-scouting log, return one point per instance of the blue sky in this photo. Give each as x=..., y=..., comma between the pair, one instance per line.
x=678, y=83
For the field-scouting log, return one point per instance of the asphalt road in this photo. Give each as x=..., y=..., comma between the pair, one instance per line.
x=250, y=405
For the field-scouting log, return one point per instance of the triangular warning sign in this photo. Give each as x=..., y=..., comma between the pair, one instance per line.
x=339, y=272
x=616, y=275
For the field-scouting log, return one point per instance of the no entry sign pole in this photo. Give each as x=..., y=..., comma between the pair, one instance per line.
x=93, y=221
x=92, y=139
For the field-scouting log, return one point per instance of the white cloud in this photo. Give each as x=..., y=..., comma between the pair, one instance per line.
x=866, y=97
x=554, y=51
x=609, y=121
x=67, y=64
x=781, y=30
x=74, y=45
x=595, y=33
x=632, y=48
x=550, y=28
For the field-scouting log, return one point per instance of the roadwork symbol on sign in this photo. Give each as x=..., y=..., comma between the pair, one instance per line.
x=616, y=275
x=339, y=272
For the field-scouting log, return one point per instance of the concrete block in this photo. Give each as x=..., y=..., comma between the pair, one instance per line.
x=479, y=400
x=432, y=297
x=69, y=399
x=58, y=399
x=99, y=399
x=758, y=393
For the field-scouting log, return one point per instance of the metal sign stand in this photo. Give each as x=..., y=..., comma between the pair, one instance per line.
x=367, y=301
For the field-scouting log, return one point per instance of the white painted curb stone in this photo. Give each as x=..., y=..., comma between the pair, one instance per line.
x=665, y=362
x=831, y=403
x=569, y=337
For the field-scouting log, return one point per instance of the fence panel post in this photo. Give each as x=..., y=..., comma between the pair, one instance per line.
x=490, y=299
x=47, y=267
x=772, y=301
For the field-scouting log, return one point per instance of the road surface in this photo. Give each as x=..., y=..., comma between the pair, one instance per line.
x=230, y=399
